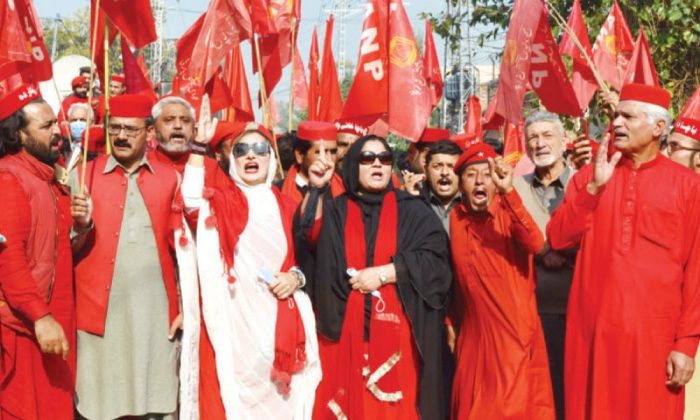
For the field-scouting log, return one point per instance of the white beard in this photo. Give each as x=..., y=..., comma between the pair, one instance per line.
x=544, y=161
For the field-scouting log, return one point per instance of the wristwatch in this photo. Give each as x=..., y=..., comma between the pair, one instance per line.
x=383, y=278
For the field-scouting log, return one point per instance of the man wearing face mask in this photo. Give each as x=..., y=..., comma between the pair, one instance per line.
x=80, y=86
x=125, y=275
x=78, y=120
x=37, y=307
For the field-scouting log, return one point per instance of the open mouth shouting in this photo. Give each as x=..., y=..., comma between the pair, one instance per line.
x=251, y=167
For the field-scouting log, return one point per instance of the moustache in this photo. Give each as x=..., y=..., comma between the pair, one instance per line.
x=122, y=143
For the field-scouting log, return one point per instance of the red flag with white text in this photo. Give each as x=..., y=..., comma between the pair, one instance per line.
x=22, y=48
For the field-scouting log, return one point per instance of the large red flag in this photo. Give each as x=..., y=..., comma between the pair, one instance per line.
x=313, y=77
x=368, y=98
x=513, y=143
x=300, y=93
x=409, y=96
x=613, y=47
x=241, y=108
x=330, y=104
x=472, y=126
x=641, y=68
x=582, y=80
x=136, y=80
x=22, y=49
x=548, y=75
x=226, y=24
x=98, y=41
x=133, y=18
x=186, y=83
x=219, y=92
x=431, y=65
x=515, y=64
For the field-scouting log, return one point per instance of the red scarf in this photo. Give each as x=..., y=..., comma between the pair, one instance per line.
x=290, y=189
x=378, y=373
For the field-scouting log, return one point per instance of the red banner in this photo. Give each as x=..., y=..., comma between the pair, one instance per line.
x=22, y=48
x=613, y=47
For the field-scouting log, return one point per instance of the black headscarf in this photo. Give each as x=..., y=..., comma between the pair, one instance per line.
x=351, y=171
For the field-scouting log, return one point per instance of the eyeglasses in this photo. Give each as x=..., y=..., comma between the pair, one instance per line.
x=129, y=130
x=368, y=158
x=673, y=147
x=260, y=148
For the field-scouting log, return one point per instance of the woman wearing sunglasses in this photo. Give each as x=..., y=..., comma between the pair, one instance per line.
x=379, y=290
x=250, y=350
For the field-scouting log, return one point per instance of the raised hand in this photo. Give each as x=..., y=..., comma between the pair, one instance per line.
x=321, y=170
x=501, y=174
x=583, y=152
x=603, y=169
x=206, y=126
x=412, y=182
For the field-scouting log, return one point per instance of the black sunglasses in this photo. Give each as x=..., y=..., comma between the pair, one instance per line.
x=368, y=158
x=260, y=148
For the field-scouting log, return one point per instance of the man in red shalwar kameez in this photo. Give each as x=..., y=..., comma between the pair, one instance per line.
x=502, y=369
x=37, y=307
x=634, y=310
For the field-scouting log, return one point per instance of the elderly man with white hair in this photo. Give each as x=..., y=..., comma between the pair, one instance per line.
x=633, y=319
x=175, y=130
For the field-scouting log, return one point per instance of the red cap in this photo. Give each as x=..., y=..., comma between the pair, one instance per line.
x=79, y=81
x=316, y=131
x=465, y=140
x=96, y=140
x=350, y=127
x=431, y=135
x=479, y=152
x=17, y=99
x=130, y=106
x=225, y=130
x=119, y=78
x=688, y=127
x=649, y=94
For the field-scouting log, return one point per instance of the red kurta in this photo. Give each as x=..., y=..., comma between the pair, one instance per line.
x=36, y=279
x=502, y=369
x=635, y=294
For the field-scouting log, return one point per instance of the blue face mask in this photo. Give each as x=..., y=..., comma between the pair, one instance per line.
x=76, y=129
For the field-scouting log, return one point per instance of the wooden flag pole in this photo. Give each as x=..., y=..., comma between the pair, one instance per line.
x=105, y=118
x=291, y=79
x=566, y=28
x=91, y=117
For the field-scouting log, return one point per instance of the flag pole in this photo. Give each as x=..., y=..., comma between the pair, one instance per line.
x=91, y=117
x=106, y=86
x=566, y=28
x=291, y=78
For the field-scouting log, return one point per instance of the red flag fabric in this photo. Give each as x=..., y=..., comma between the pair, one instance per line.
x=613, y=47
x=300, y=94
x=409, y=97
x=313, y=77
x=492, y=120
x=218, y=91
x=330, y=104
x=260, y=17
x=98, y=41
x=548, y=75
x=512, y=82
x=472, y=126
x=582, y=80
x=136, y=81
x=691, y=109
x=22, y=48
x=431, y=65
x=226, y=24
x=641, y=67
x=133, y=18
x=368, y=98
x=186, y=83
x=513, y=143
x=241, y=109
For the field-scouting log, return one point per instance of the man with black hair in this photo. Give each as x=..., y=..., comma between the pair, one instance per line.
x=37, y=307
x=442, y=189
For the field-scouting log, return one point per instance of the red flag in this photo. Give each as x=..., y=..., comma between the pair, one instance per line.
x=513, y=143
x=431, y=65
x=226, y=24
x=692, y=107
x=313, y=77
x=512, y=82
x=98, y=41
x=22, y=48
x=409, y=97
x=300, y=92
x=492, y=120
x=274, y=112
x=472, y=126
x=641, y=67
x=331, y=101
x=133, y=18
x=548, y=75
x=241, y=109
x=368, y=98
x=613, y=47
x=260, y=17
x=582, y=80
x=186, y=83
x=136, y=81
x=218, y=91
